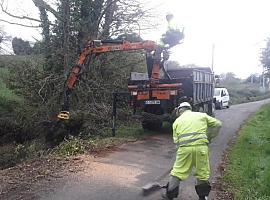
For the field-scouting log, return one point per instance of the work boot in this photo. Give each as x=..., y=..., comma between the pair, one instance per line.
x=172, y=189
x=203, y=190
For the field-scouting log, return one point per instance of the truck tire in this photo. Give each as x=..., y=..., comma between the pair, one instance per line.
x=211, y=109
x=219, y=105
x=151, y=120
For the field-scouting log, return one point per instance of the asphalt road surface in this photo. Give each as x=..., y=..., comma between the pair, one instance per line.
x=121, y=174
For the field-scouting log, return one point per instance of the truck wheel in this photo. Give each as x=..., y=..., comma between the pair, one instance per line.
x=152, y=125
x=221, y=105
x=211, y=109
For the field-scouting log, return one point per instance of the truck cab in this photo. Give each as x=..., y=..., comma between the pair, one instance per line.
x=222, y=98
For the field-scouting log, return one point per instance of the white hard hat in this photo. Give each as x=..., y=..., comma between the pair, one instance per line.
x=184, y=104
x=169, y=16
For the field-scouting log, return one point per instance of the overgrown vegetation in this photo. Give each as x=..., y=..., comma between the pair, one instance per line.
x=246, y=92
x=242, y=91
x=41, y=81
x=125, y=133
x=6, y=95
x=248, y=172
x=32, y=88
x=13, y=154
x=75, y=145
x=9, y=102
x=30, y=104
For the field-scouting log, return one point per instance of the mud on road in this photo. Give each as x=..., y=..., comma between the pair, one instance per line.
x=120, y=174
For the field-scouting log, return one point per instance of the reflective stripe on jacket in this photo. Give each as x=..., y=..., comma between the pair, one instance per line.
x=172, y=26
x=191, y=128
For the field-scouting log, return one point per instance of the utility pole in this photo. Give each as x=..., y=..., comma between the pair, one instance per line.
x=263, y=86
x=213, y=50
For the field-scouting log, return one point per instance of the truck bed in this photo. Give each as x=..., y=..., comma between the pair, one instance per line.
x=197, y=83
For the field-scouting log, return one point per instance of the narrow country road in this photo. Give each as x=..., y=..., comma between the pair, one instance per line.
x=120, y=175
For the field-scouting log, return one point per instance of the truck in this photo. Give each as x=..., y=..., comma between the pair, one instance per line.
x=193, y=85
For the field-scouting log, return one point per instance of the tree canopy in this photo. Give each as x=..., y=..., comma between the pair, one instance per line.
x=21, y=47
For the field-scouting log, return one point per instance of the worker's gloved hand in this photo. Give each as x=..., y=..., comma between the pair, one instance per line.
x=212, y=132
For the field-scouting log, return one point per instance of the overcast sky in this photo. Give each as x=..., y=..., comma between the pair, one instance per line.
x=237, y=28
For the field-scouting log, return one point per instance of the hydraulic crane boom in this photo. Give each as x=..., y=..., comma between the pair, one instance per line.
x=98, y=46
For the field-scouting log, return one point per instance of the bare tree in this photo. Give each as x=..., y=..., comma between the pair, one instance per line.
x=21, y=20
x=98, y=18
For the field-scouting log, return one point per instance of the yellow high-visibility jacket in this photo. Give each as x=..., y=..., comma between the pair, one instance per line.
x=190, y=128
x=172, y=26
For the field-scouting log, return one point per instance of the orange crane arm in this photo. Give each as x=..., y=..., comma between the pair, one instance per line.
x=96, y=47
x=92, y=49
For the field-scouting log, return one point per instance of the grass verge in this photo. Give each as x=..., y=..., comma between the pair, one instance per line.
x=248, y=171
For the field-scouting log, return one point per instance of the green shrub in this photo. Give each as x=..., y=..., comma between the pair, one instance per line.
x=70, y=147
x=11, y=154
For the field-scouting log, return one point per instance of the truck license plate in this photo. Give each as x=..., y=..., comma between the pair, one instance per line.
x=151, y=102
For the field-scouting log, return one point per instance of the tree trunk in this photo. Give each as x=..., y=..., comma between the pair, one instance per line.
x=66, y=24
x=45, y=26
x=89, y=26
x=108, y=18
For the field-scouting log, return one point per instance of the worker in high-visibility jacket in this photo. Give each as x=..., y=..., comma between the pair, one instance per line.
x=191, y=137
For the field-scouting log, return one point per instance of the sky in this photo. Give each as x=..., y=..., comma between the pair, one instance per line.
x=237, y=29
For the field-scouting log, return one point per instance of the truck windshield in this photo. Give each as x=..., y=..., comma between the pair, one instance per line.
x=217, y=92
